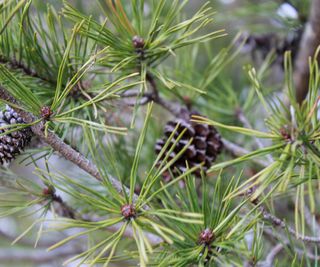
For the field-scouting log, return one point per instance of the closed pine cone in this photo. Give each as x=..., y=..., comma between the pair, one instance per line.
x=12, y=143
x=205, y=146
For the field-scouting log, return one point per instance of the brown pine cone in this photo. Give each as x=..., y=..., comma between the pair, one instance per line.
x=205, y=146
x=13, y=143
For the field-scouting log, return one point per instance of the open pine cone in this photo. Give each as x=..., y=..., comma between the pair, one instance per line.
x=13, y=143
x=205, y=147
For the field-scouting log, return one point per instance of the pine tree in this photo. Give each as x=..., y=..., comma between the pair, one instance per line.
x=156, y=138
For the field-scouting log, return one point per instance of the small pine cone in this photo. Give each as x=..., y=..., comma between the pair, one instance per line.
x=205, y=147
x=13, y=143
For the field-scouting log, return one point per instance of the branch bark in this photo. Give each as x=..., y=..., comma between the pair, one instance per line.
x=282, y=224
x=308, y=45
x=272, y=254
x=239, y=151
x=173, y=108
x=302, y=254
x=60, y=146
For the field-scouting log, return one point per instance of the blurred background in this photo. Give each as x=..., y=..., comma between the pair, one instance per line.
x=264, y=25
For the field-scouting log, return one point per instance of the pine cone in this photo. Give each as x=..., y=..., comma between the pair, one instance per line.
x=205, y=147
x=13, y=143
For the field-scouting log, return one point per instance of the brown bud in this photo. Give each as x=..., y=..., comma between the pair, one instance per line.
x=138, y=42
x=285, y=133
x=128, y=211
x=48, y=191
x=206, y=237
x=46, y=112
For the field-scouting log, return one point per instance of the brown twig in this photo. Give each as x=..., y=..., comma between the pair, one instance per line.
x=272, y=254
x=239, y=151
x=62, y=208
x=282, y=224
x=308, y=45
x=301, y=253
x=173, y=108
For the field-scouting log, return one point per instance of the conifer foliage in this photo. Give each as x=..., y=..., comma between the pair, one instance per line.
x=130, y=136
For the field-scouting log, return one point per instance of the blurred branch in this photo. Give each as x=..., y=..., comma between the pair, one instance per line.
x=27, y=242
x=301, y=253
x=308, y=45
x=35, y=256
x=282, y=224
x=245, y=122
x=272, y=254
x=61, y=208
x=239, y=151
x=311, y=221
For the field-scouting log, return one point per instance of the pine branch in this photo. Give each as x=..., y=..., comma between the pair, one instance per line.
x=311, y=221
x=62, y=208
x=301, y=253
x=272, y=254
x=155, y=97
x=308, y=46
x=81, y=161
x=282, y=224
x=239, y=151
x=60, y=146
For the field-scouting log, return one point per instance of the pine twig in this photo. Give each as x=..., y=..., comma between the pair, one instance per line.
x=62, y=208
x=272, y=254
x=311, y=221
x=155, y=97
x=65, y=210
x=301, y=253
x=239, y=151
x=282, y=224
x=308, y=46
